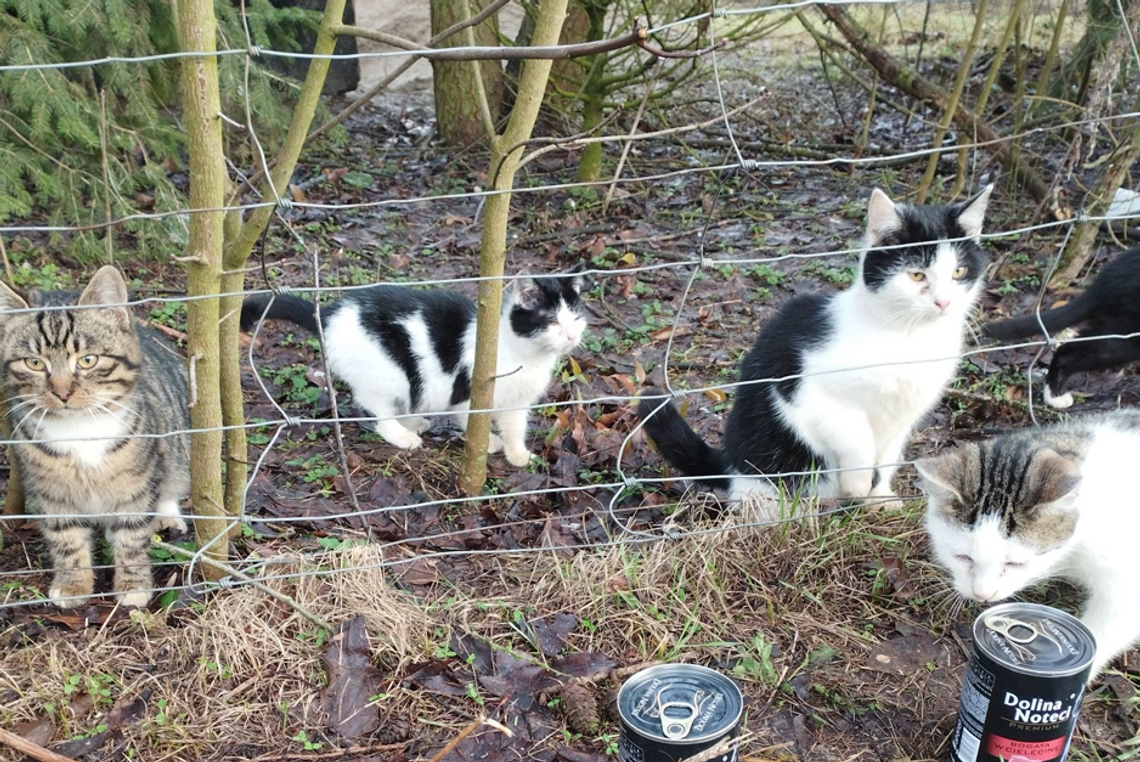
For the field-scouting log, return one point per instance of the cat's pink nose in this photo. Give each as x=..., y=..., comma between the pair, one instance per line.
x=941, y=304
x=985, y=595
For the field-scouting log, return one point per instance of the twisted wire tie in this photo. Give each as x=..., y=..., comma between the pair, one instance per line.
x=253, y=50
x=291, y=421
x=285, y=204
x=280, y=290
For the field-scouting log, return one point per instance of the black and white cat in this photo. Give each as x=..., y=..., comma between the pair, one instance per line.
x=856, y=369
x=404, y=351
x=1109, y=307
x=1039, y=504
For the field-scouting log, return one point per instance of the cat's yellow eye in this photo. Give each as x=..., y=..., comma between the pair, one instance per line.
x=959, y=273
x=87, y=361
x=916, y=275
x=34, y=363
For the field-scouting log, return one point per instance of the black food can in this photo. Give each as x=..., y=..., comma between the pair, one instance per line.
x=1024, y=685
x=672, y=711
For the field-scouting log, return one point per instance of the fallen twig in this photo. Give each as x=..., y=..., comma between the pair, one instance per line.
x=33, y=750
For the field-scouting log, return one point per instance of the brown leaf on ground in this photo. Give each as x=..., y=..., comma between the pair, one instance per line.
x=352, y=681
x=38, y=731
x=419, y=572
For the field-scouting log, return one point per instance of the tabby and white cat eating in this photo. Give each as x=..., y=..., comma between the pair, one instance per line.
x=852, y=371
x=81, y=385
x=404, y=351
x=1038, y=504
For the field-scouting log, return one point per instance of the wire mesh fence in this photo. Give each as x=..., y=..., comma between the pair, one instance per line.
x=617, y=518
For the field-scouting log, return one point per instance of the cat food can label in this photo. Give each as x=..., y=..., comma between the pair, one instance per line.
x=672, y=711
x=1023, y=686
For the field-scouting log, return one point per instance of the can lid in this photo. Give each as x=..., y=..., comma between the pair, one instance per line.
x=1034, y=639
x=680, y=703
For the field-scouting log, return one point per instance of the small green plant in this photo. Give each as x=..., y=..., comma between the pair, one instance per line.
x=294, y=385
x=767, y=275
x=756, y=664
x=303, y=738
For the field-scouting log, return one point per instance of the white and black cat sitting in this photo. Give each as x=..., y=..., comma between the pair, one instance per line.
x=404, y=351
x=856, y=369
x=1109, y=307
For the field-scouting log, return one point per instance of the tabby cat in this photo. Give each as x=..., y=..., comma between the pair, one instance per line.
x=74, y=374
x=1037, y=504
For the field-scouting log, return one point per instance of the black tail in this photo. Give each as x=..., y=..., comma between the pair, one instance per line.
x=284, y=307
x=680, y=445
x=1054, y=320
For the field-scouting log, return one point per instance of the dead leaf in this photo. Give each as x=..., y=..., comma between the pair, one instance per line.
x=352, y=681
x=551, y=638
x=639, y=372
x=38, y=731
x=585, y=665
x=298, y=194
x=335, y=175
x=898, y=578
x=662, y=334
x=419, y=572
x=716, y=395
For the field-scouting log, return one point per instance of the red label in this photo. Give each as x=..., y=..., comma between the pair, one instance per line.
x=1024, y=751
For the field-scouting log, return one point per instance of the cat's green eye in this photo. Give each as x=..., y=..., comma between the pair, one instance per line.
x=959, y=273
x=34, y=363
x=916, y=275
x=87, y=361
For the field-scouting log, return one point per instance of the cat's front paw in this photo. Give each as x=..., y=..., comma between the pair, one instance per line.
x=494, y=444
x=518, y=458
x=169, y=517
x=71, y=589
x=1061, y=402
x=418, y=425
x=404, y=439
x=134, y=598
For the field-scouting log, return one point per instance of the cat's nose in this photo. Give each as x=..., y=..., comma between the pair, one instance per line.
x=941, y=304
x=62, y=392
x=983, y=594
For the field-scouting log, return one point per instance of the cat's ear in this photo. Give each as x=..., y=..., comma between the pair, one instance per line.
x=972, y=212
x=525, y=290
x=882, y=217
x=10, y=300
x=108, y=287
x=1053, y=479
x=578, y=282
x=941, y=477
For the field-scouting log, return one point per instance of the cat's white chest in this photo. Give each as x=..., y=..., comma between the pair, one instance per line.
x=73, y=437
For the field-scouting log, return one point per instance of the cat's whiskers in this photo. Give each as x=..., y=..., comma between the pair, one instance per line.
x=33, y=411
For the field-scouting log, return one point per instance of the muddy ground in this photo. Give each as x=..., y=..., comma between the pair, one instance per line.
x=527, y=609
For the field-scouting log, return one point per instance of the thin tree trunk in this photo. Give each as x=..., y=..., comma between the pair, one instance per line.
x=964, y=67
x=239, y=246
x=1076, y=254
x=197, y=31
x=492, y=250
x=459, y=116
x=914, y=85
x=233, y=401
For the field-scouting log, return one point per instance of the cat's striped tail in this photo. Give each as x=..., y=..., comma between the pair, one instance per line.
x=284, y=307
x=1055, y=319
x=681, y=447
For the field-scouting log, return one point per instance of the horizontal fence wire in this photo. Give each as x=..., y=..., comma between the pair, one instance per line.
x=619, y=521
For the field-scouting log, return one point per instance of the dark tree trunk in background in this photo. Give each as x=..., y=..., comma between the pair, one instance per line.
x=457, y=107
x=344, y=73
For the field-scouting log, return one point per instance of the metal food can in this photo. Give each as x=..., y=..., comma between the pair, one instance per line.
x=1023, y=686
x=672, y=711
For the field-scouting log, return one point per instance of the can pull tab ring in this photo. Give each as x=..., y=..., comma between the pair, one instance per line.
x=678, y=724
x=1019, y=634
